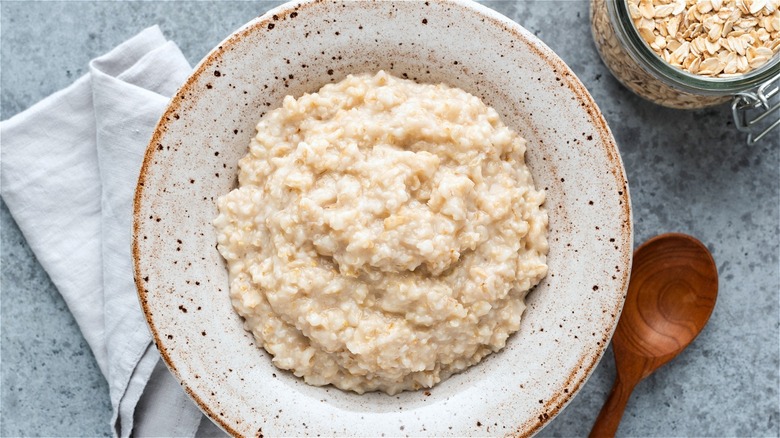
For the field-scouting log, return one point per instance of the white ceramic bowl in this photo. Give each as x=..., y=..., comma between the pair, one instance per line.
x=297, y=48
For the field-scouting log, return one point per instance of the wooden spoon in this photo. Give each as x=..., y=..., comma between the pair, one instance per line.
x=673, y=287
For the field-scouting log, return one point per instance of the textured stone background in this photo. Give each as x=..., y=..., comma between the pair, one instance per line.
x=689, y=172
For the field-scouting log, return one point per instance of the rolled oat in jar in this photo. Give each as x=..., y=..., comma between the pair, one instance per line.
x=691, y=54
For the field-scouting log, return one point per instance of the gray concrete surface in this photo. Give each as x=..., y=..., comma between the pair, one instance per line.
x=689, y=172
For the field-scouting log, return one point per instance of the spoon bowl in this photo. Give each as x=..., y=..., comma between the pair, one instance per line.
x=671, y=295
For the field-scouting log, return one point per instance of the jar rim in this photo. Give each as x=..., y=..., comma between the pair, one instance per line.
x=675, y=77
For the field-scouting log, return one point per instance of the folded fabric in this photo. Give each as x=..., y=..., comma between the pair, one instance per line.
x=69, y=169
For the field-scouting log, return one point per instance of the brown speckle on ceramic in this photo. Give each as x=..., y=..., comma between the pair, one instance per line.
x=191, y=161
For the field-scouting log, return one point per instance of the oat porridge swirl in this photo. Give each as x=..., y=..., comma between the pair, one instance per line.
x=384, y=234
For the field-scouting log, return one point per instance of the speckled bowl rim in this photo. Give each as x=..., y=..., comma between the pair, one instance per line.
x=588, y=360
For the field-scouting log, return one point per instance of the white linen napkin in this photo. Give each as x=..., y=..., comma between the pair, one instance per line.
x=69, y=167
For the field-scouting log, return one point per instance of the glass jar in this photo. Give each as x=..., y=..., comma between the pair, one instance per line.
x=641, y=70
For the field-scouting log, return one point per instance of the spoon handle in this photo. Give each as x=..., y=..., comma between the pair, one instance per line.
x=606, y=424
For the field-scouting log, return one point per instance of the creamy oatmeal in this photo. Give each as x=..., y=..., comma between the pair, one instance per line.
x=384, y=234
